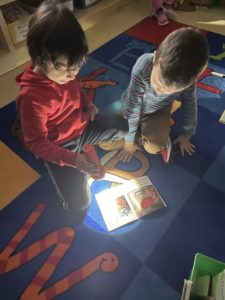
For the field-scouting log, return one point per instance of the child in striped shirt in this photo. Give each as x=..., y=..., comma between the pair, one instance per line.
x=157, y=80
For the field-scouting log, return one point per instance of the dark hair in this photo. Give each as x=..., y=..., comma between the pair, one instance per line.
x=181, y=56
x=54, y=31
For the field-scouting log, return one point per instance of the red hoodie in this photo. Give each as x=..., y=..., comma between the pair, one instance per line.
x=51, y=114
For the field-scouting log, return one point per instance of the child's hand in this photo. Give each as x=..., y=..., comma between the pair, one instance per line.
x=128, y=151
x=93, y=111
x=86, y=167
x=185, y=145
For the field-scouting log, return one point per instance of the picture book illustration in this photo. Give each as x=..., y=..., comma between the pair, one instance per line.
x=128, y=202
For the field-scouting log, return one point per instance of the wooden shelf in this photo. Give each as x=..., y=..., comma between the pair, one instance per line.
x=12, y=60
x=89, y=17
x=109, y=23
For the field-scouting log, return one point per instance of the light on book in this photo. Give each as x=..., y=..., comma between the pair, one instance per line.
x=128, y=202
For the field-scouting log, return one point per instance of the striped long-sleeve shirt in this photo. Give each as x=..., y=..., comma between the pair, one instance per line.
x=140, y=98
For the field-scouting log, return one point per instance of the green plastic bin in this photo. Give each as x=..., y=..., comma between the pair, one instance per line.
x=204, y=265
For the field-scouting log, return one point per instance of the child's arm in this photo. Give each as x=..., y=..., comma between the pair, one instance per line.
x=132, y=100
x=185, y=144
x=33, y=120
x=86, y=99
x=128, y=151
x=189, y=110
x=93, y=111
x=89, y=105
x=132, y=104
x=87, y=167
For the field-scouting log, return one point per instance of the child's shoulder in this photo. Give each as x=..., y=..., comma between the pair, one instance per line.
x=144, y=63
x=146, y=57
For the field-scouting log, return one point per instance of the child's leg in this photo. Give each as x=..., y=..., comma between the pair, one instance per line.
x=103, y=129
x=112, y=145
x=157, y=4
x=155, y=130
x=159, y=12
x=71, y=186
x=169, y=9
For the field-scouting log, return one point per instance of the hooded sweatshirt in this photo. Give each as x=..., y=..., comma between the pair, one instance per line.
x=51, y=114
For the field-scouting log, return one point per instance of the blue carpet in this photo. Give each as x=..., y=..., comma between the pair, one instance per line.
x=72, y=257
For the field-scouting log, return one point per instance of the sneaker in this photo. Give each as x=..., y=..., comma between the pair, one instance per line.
x=161, y=17
x=169, y=11
x=166, y=151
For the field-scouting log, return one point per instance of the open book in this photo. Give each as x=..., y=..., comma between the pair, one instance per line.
x=128, y=202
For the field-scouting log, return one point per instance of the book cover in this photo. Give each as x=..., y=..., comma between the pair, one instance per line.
x=222, y=118
x=128, y=202
x=186, y=292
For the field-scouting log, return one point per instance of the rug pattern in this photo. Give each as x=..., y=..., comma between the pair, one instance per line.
x=47, y=254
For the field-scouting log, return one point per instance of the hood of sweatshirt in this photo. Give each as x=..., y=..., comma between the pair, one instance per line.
x=29, y=78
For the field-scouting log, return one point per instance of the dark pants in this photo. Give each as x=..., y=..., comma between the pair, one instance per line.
x=71, y=185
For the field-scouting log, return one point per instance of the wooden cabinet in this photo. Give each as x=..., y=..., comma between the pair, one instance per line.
x=5, y=39
x=13, y=52
x=101, y=22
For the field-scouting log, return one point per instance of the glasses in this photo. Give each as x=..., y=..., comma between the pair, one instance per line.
x=61, y=67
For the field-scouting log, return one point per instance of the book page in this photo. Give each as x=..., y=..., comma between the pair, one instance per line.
x=222, y=118
x=143, y=196
x=115, y=208
x=128, y=202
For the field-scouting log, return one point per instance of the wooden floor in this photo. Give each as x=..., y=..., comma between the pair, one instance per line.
x=101, y=23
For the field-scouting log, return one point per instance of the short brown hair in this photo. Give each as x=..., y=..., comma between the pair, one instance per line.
x=181, y=56
x=54, y=31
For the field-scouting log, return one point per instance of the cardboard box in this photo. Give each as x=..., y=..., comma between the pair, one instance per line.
x=204, y=265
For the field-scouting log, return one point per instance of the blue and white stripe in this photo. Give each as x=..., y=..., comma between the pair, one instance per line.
x=140, y=98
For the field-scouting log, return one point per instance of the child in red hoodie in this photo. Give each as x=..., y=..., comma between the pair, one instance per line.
x=57, y=118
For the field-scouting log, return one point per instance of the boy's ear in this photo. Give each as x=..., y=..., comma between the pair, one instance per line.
x=154, y=56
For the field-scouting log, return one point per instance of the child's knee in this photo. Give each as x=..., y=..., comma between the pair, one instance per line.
x=153, y=144
x=112, y=145
x=124, y=126
x=151, y=148
x=79, y=202
x=120, y=128
x=157, y=139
